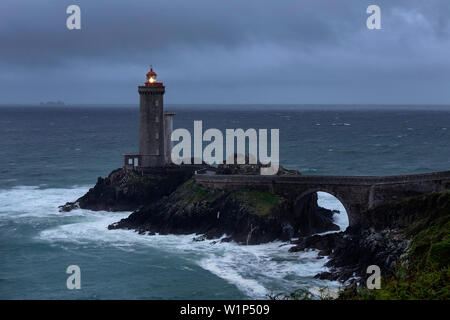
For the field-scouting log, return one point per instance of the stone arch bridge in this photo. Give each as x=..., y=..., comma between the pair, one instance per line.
x=356, y=193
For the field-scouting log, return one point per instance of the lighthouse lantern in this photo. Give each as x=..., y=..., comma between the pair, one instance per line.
x=151, y=79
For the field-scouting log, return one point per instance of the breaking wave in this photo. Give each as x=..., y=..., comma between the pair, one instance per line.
x=256, y=270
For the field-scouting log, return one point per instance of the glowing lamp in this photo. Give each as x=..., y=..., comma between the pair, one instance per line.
x=151, y=79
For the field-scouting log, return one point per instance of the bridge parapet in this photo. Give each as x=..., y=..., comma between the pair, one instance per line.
x=329, y=180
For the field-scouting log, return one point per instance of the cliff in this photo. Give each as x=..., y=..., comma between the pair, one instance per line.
x=167, y=201
x=125, y=190
x=408, y=239
x=246, y=216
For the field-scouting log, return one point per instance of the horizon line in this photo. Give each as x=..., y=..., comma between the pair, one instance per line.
x=229, y=104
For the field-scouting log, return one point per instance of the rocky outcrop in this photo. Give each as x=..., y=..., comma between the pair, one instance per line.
x=411, y=232
x=387, y=236
x=352, y=251
x=167, y=201
x=245, y=216
x=127, y=190
x=250, y=169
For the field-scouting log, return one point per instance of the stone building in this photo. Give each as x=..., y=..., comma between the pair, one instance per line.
x=155, y=127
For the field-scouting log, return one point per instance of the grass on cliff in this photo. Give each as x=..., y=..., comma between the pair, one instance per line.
x=262, y=201
x=425, y=273
x=194, y=193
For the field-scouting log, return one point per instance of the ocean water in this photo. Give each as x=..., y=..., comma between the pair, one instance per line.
x=51, y=155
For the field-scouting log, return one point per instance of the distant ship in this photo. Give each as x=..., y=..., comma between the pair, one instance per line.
x=53, y=103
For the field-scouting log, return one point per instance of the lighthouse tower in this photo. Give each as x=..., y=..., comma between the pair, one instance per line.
x=155, y=127
x=151, y=122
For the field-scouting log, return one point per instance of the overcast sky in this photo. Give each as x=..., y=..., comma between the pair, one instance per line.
x=233, y=51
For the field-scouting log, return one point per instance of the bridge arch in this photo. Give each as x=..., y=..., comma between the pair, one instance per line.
x=331, y=192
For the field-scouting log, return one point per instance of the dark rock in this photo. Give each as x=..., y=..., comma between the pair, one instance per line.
x=69, y=206
x=352, y=251
x=199, y=238
x=245, y=216
x=311, y=218
x=249, y=169
x=126, y=190
x=324, y=275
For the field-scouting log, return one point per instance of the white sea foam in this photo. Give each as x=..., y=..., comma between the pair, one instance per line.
x=31, y=201
x=255, y=270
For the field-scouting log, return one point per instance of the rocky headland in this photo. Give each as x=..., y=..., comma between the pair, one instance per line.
x=168, y=201
x=245, y=216
x=127, y=190
x=408, y=239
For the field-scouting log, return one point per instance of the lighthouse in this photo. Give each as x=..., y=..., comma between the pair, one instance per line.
x=155, y=127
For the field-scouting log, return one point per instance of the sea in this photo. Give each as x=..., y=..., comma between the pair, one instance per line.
x=51, y=155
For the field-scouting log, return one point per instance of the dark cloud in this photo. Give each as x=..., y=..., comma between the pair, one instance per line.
x=236, y=51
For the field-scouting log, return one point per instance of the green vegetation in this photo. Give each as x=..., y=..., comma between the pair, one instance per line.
x=425, y=273
x=194, y=193
x=263, y=202
x=412, y=284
